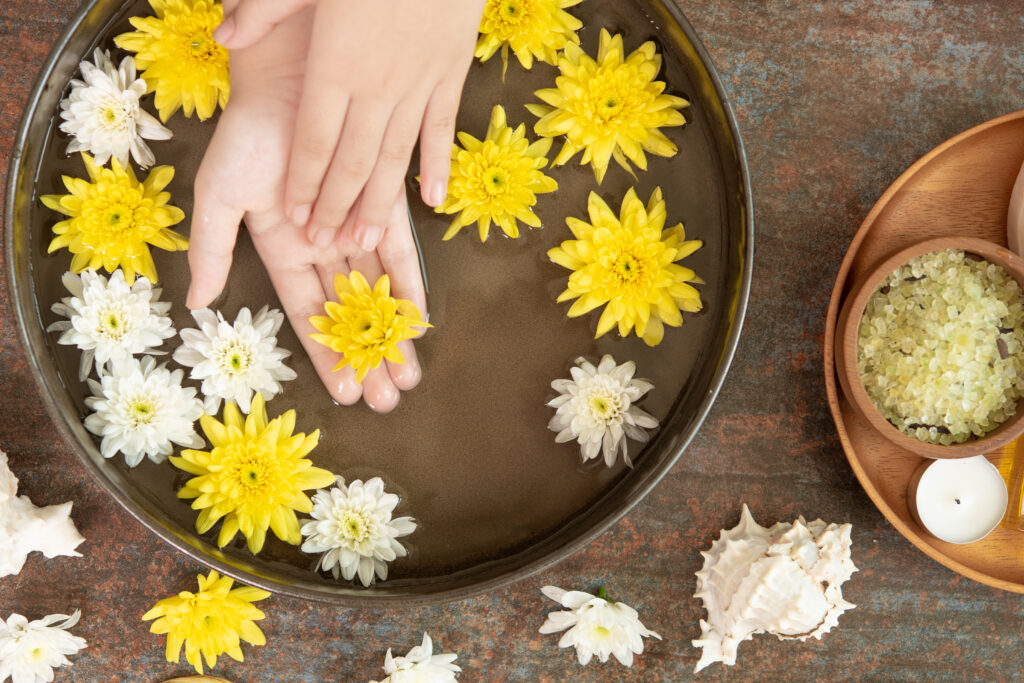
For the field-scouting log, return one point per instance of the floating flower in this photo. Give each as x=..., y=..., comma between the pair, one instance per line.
x=25, y=528
x=114, y=218
x=109, y=320
x=31, y=650
x=141, y=409
x=182, y=62
x=103, y=116
x=497, y=179
x=420, y=666
x=596, y=408
x=597, y=626
x=367, y=325
x=532, y=28
x=612, y=107
x=253, y=477
x=210, y=622
x=353, y=528
x=630, y=265
x=235, y=360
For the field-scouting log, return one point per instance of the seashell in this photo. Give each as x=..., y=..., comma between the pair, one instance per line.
x=784, y=580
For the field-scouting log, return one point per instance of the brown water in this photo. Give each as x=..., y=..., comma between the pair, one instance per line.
x=468, y=451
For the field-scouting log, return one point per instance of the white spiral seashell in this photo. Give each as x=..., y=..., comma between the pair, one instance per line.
x=784, y=580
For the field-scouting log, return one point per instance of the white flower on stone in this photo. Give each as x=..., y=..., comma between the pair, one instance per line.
x=103, y=116
x=353, y=528
x=141, y=409
x=235, y=361
x=108, y=319
x=596, y=626
x=420, y=666
x=25, y=528
x=596, y=408
x=30, y=651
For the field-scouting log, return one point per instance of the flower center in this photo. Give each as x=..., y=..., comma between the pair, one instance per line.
x=512, y=11
x=496, y=180
x=251, y=472
x=355, y=526
x=234, y=358
x=368, y=329
x=628, y=268
x=113, y=324
x=118, y=218
x=37, y=654
x=605, y=406
x=202, y=46
x=143, y=411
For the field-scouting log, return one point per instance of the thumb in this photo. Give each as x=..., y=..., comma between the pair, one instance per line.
x=253, y=19
x=211, y=242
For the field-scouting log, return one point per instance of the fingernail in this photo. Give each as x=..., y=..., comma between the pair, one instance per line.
x=300, y=214
x=322, y=238
x=438, y=193
x=223, y=33
x=369, y=237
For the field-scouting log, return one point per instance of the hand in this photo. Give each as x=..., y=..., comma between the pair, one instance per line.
x=379, y=75
x=243, y=174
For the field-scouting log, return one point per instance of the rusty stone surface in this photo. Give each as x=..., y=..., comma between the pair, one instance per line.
x=834, y=99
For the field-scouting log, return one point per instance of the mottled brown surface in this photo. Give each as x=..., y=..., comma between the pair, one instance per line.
x=834, y=99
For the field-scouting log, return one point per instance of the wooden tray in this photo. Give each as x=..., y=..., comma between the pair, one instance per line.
x=962, y=187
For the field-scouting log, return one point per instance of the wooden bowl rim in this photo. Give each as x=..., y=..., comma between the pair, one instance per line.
x=846, y=350
x=910, y=532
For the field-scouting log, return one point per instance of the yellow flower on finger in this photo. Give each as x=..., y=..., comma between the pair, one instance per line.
x=181, y=62
x=496, y=179
x=210, y=622
x=113, y=219
x=253, y=477
x=533, y=29
x=365, y=325
x=610, y=108
x=627, y=264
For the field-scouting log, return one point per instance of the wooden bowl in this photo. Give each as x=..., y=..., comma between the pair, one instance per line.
x=846, y=347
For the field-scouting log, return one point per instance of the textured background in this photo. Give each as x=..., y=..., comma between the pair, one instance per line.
x=834, y=100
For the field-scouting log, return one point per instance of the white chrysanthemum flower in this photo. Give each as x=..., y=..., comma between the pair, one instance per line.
x=30, y=651
x=597, y=626
x=420, y=666
x=103, y=115
x=353, y=528
x=25, y=528
x=108, y=319
x=141, y=409
x=596, y=408
x=235, y=361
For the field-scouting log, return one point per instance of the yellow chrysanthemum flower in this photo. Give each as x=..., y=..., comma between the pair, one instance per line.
x=367, y=324
x=609, y=108
x=496, y=179
x=210, y=622
x=534, y=29
x=253, y=477
x=113, y=218
x=181, y=61
x=629, y=263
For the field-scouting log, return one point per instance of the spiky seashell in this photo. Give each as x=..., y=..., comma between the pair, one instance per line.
x=784, y=580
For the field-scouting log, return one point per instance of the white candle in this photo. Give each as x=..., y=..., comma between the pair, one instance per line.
x=960, y=500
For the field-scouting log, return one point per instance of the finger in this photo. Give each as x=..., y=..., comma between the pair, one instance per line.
x=212, y=236
x=349, y=170
x=251, y=20
x=436, y=138
x=400, y=257
x=302, y=297
x=379, y=391
x=378, y=196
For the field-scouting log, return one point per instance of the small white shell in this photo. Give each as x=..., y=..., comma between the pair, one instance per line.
x=784, y=580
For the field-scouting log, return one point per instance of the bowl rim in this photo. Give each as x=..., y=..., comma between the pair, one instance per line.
x=33, y=345
x=846, y=347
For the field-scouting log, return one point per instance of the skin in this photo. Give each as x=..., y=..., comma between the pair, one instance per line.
x=243, y=174
x=380, y=74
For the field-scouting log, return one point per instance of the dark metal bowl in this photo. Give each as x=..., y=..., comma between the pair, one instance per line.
x=468, y=450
